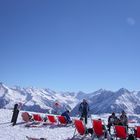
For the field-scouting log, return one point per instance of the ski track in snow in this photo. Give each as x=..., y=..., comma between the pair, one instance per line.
x=51, y=132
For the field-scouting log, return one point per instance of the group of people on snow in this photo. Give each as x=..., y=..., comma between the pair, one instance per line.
x=83, y=110
x=114, y=120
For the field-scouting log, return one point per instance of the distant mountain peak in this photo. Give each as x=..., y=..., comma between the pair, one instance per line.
x=123, y=90
x=2, y=85
x=101, y=90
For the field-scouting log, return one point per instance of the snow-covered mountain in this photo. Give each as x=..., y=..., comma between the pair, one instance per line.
x=103, y=101
x=33, y=99
x=43, y=100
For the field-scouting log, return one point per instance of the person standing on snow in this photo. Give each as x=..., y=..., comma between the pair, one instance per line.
x=15, y=113
x=84, y=109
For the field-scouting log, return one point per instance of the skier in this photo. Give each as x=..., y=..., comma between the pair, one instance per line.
x=84, y=109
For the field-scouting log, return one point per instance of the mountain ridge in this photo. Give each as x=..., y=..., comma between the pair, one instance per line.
x=43, y=100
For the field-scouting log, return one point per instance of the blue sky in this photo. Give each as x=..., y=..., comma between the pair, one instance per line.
x=70, y=45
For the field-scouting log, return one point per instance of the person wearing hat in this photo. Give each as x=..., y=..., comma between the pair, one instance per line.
x=112, y=120
x=84, y=109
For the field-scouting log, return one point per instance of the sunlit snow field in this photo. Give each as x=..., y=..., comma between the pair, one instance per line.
x=19, y=131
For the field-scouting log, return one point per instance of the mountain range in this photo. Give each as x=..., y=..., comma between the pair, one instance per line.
x=46, y=100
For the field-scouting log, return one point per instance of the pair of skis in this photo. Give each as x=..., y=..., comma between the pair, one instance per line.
x=31, y=138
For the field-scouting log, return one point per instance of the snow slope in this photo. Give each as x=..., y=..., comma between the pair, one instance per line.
x=19, y=131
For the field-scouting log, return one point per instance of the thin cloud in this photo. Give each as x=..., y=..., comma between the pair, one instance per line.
x=131, y=21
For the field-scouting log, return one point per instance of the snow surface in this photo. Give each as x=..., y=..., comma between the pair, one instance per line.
x=19, y=131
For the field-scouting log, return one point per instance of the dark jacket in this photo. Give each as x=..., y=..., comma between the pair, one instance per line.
x=124, y=120
x=112, y=120
x=15, y=114
x=84, y=108
x=16, y=107
x=66, y=115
